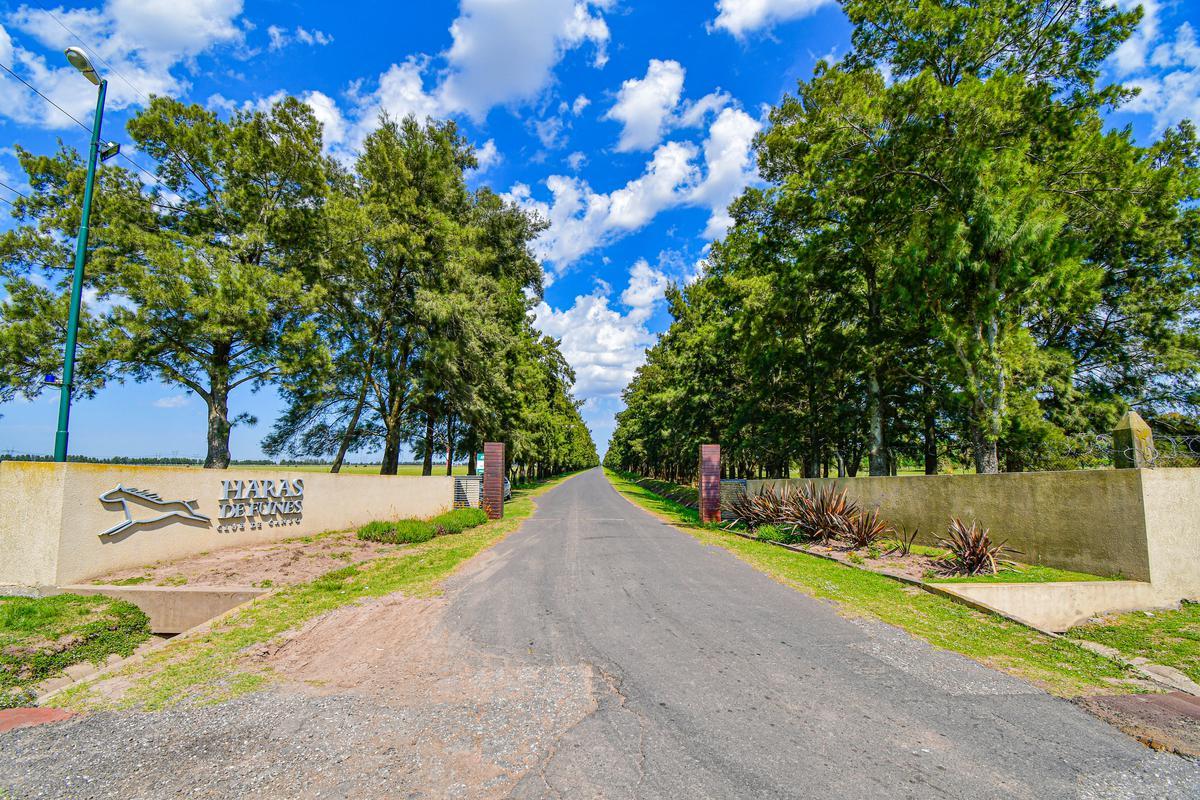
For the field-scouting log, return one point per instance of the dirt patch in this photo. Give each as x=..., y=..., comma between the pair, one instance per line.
x=265, y=566
x=476, y=721
x=913, y=566
x=1168, y=722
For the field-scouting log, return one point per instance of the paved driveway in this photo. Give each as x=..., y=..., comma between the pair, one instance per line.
x=719, y=682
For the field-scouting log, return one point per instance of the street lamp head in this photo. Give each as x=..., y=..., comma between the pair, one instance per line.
x=81, y=62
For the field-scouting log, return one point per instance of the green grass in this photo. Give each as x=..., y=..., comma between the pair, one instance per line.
x=402, y=531
x=125, y=581
x=1171, y=638
x=205, y=668
x=1059, y=665
x=459, y=520
x=416, y=531
x=1025, y=574
x=40, y=637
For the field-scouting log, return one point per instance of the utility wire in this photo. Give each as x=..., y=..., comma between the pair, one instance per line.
x=154, y=178
x=32, y=88
x=47, y=99
x=17, y=192
x=108, y=66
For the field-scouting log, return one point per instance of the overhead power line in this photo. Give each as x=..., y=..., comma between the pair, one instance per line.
x=33, y=89
x=107, y=65
x=14, y=191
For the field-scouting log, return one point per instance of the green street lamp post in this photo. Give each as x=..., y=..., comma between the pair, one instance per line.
x=80, y=61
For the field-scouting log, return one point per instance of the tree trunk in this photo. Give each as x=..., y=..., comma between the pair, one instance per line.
x=987, y=461
x=450, y=443
x=391, y=451
x=472, y=463
x=218, y=429
x=427, y=465
x=218, y=409
x=930, y=432
x=989, y=407
x=878, y=460
x=350, y=428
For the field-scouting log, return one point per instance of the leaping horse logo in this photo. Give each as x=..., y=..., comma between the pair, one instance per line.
x=184, y=509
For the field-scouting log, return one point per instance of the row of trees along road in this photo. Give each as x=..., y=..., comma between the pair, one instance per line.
x=956, y=257
x=386, y=302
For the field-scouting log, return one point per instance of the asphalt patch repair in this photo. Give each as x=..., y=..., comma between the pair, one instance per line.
x=1169, y=722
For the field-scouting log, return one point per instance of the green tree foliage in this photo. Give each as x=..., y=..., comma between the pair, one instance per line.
x=427, y=292
x=201, y=280
x=388, y=303
x=964, y=260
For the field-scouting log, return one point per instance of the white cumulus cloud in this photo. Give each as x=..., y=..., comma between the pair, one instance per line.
x=150, y=43
x=679, y=174
x=171, y=401
x=506, y=52
x=649, y=107
x=1164, y=66
x=644, y=105
x=603, y=344
x=280, y=38
x=740, y=17
x=488, y=155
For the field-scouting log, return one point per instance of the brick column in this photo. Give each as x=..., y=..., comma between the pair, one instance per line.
x=710, y=483
x=493, y=479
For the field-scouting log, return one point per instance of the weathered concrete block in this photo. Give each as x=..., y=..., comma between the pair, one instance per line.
x=1133, y=443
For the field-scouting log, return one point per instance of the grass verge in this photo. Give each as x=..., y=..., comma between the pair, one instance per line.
x=1058, y=665
x=1022, y=573
x=205, y=668
x=1163, y=637
x=40, y=637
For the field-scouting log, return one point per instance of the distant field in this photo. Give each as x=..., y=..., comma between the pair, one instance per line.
x=358, y=469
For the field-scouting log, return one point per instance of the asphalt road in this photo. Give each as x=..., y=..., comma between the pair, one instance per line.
x=598, y=653
x=717, y=682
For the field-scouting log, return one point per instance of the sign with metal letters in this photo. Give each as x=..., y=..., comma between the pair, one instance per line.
x=242, y=505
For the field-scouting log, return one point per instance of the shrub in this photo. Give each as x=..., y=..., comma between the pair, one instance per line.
x=805, y=512
x=821, y=514
x=459, y=520
x=405, y=531
x=865, y=529
x=971, y=550
x=903, y=545
x=413, y=531
x=378, y=531
x=770, y=533
x=759, y=509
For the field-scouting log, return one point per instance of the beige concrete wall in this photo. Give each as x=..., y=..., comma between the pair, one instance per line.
x=30, y=520
x=172, y=609
x=1172, y=507
x=1091, y=521
x=1060, y=606
x=51, y=517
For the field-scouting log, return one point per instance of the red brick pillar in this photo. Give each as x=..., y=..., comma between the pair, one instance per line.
x=710, y=483
x=493, y=479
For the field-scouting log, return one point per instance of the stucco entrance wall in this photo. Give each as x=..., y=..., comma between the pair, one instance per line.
x=1140, y=524
x=51, y=515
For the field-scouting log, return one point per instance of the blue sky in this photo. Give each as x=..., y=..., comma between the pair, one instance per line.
x=627, y=124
